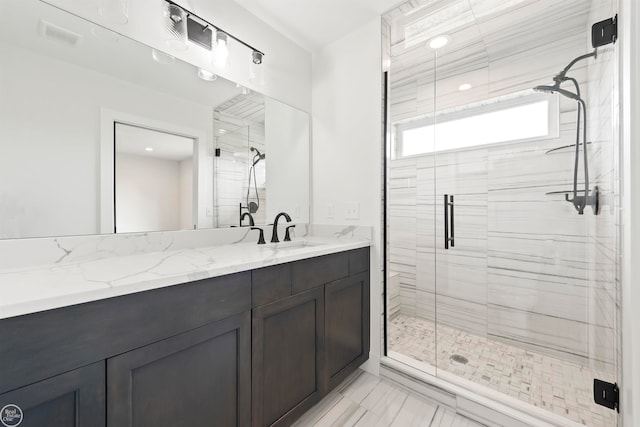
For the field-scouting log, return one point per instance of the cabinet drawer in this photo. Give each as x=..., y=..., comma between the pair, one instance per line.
x=270, y=284
x=358, y=261
x=310, y=273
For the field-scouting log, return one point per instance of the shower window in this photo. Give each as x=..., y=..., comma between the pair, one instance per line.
x=500, y=121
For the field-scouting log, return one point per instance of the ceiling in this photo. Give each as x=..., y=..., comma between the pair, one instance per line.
x=314, y=24
x=136, y=140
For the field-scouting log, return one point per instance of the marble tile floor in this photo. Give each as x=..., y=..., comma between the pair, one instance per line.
x=364, y=400
x=562, y=387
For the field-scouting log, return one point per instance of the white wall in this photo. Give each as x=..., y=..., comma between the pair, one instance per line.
x=286, y=141
x=287, y=66
x=147, y=193
x=186, y=194
x=347, y=144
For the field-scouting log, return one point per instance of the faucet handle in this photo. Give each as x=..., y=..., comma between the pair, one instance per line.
x=287, y=237
x=261, y=238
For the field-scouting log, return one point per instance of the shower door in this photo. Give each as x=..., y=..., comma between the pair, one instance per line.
x=516, y=288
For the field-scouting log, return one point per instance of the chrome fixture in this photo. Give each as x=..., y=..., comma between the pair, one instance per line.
x=587, y=198
x=200, y=31
x=274, y=235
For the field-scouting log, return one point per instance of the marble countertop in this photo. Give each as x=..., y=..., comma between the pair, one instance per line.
x=38, y=288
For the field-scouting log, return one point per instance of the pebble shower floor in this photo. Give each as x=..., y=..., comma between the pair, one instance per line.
x=558, y=386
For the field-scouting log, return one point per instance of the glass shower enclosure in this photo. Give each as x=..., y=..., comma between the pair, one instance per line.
x=502, y=218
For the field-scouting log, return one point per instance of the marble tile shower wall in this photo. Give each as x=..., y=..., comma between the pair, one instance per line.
x=526, y=268
x=232, y=169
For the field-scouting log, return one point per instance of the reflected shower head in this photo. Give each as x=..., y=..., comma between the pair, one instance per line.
x=262, y=156
x=556, y=88
x=258, y=156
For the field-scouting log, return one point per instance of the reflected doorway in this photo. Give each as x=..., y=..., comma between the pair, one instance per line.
x=154, y=180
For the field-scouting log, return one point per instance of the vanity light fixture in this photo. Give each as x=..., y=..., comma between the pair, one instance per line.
x=206, y=75
x=439, y=42
x=200, y=32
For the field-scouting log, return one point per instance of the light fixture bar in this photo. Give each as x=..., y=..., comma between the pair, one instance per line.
x=191, y=14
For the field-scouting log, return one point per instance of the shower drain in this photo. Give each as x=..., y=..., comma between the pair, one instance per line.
x=459, y=359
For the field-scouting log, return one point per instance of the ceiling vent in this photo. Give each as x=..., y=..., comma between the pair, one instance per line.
x=58, y=34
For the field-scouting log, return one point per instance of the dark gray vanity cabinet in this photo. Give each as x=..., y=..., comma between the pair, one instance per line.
x=190, y=379
x=72, y=399
x=310, y=331
x=256, y=348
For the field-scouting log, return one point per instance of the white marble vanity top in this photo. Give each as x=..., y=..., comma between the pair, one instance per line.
x=31, y=289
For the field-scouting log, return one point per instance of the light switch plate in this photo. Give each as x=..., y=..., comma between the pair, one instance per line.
x=330, y=210
x=353, y=210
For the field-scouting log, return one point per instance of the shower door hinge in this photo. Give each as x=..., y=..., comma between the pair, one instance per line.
x=604, y=32
x=606, y=394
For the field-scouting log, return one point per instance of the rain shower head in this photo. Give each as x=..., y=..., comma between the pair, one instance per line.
x=556, y=88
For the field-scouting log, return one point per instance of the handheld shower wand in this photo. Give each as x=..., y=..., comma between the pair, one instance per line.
x=254, y=206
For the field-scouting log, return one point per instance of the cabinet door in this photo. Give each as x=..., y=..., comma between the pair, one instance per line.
x=73, y=399
x=347, y=326
x=288, y=358
x=198, y=378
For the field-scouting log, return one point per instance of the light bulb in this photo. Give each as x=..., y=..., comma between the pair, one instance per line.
x=222, y=50
x=439, y=42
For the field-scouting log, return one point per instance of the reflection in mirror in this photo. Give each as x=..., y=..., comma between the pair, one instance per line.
x=239, y=127
x=153, y=180
x=66, y=82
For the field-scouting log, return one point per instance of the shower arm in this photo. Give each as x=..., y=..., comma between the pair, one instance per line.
x=562, y=75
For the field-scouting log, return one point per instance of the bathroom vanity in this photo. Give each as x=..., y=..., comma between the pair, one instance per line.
x=256, y=347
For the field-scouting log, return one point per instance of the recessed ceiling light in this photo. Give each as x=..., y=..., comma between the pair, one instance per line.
x=206, y=75
x=222, y=131
x=464, y=86
x=148, y=149
x=161, y=57
x=439, y=42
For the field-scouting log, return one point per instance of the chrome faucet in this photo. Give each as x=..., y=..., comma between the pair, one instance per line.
x=274, y=236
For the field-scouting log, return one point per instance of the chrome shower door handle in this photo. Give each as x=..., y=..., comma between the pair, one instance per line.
x=448, y=222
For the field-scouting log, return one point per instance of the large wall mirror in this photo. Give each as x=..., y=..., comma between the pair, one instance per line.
x=101, y=134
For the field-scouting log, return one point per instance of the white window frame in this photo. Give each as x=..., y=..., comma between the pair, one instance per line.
x=488, y=106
